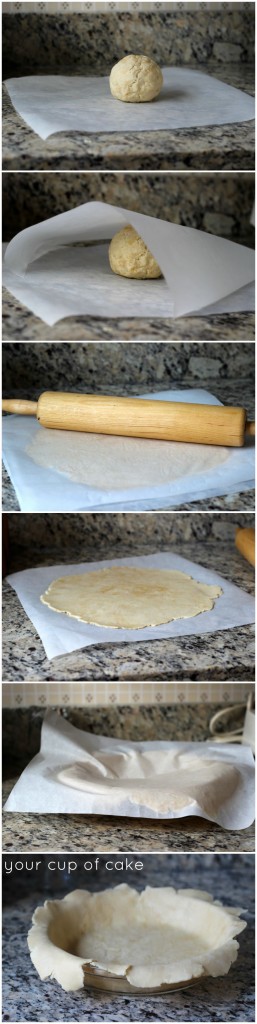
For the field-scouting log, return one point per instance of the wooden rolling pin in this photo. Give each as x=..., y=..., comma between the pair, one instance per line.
x=137, y=417
x=245, y=542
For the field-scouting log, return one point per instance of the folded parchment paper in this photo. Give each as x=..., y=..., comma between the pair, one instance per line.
x=56, y=103
x=61, y=634
x=40, y=489
x=48, y=272
x=227, y=799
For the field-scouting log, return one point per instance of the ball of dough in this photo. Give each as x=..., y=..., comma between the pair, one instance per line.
x=130, y=257
x=135, y=79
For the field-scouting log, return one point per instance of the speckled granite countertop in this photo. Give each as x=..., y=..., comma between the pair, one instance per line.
x=221, y=655
x=225, y=146
x=34, y=832
x=62, y=832
x=21, y=325
x=231, y=998
x=224, y=367
x=228, y=391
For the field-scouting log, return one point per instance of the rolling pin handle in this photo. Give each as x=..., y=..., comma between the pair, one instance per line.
x=245, y=543
x=250, y=428
x=21, y=406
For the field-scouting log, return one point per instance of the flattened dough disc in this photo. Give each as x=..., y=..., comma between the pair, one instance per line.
x=115, y=463
x=125, y=597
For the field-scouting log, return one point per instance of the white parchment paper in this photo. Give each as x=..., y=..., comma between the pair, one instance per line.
x=41, y=489
x=188, y=99
x=46, y=269
x=38, y=791
x=60, y=634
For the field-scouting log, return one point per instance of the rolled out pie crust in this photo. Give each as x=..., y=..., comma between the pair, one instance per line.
x=124, y=597
x=170, y=936
x=161, y=780
x=109, y=463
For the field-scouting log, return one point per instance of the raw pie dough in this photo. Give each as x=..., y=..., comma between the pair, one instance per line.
x=124, y=597
x=135, y=79
x=120, y=463
x=130, y=257
x=169, y=937
x=158, y=779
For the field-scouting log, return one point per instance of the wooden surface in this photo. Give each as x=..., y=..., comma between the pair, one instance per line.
x=245, y=542
x=133, y=417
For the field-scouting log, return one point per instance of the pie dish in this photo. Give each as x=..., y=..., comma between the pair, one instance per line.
x=130, y=940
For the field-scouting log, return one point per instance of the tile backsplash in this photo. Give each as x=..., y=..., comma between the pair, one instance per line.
x=103, y=6
x=107, y=694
